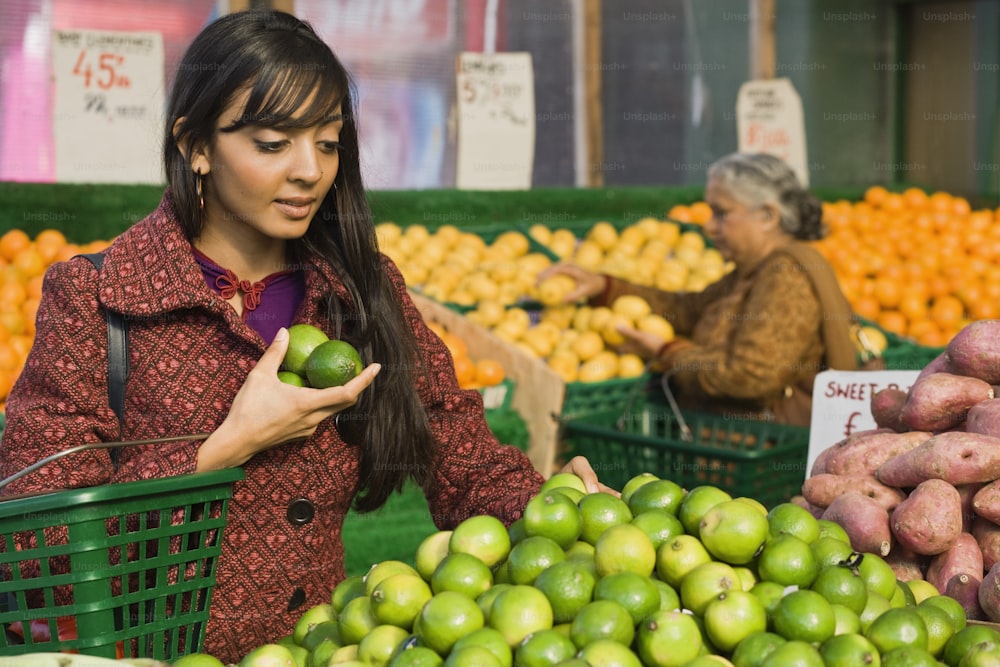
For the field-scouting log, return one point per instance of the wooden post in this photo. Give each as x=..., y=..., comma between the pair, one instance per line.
x=594, y=150
x=762, y=58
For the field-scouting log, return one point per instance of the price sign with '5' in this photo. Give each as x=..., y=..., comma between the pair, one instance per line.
x=109, y=100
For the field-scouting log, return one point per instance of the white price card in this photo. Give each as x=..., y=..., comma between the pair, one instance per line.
x=496, y=121
x=842, y=405
x=769, y=120
x=109, y=106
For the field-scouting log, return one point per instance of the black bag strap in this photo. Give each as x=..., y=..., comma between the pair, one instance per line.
x=117, y=357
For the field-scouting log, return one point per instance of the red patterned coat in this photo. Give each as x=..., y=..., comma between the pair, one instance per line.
x=189, y=353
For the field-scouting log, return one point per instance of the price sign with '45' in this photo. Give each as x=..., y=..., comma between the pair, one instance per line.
x=108, y=105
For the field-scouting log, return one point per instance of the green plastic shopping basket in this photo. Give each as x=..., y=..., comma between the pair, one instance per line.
x=119, y=570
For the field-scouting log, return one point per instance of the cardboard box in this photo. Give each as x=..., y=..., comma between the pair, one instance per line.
x=539, y=391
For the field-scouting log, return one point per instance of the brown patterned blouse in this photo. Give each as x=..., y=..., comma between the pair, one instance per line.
x=755, y=333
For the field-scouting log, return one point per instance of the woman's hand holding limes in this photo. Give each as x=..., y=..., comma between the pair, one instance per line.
x=580, y=466
x=267, y=412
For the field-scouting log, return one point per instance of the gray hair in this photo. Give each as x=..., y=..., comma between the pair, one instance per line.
x=758, y=179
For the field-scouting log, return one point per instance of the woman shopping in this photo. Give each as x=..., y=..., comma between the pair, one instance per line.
x=750, y=344
x=264, y=224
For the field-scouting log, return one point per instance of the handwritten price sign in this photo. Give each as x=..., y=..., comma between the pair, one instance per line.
x=496, y=121
x=108, y=106
x=842, y=404
x=769, y=120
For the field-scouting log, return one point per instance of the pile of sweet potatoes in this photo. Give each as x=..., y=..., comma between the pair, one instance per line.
x=923, y=488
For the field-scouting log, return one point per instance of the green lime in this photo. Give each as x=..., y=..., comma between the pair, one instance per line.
x=198, y=660
x=962, y=642
x=638, y=594
x=332, y=364
x=804, y=615
x=347, y=590
x=794, y=652
x=472, y=656
x=755, y=647
x=669, y=638
x=356, y=620
x=544, y=648
x=878, y=575
x=293, y=379
x=531, y=556
x=849, y=650
x=483, y=536
x=325, y=631
x=696, y=503
x=903, y=596
x=787, y=560
x=848, y=621
x=830, y=551
x=843, y=585
x=489, y=638
x=416, y=656
x=430, y=552
x=951, y=606
x=302, y=340
x=670, y=600
x=769, y=593
x=310, y=618
x=732, y=617
x=267, y=655
x=398, y=599
x=678, y=556
x=657, y=494
x=554, y=516
x=600, y=511
x=875, y=606
x=302, y=655
x=635, y=482
x=940, y=627
x=463, y=573
x=660, y=526
x=563, y=479
x=983, y=654
x=602, y=619
x=832, y=529
x=624, y=548
x=911, y=656
x=486, y=598
x=446, y=618
x=733, y=532
x=519, y=611
x=897, y=627
x=704, y=583
x=385, y=569
x=609, y=652
x=569, y=586
x=582, y=552
x=378, y=646
x=791, y=519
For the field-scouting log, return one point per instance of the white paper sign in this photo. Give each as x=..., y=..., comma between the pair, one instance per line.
x=496, y=121
x=109, y=105
x=842, y=405
x=769, y=120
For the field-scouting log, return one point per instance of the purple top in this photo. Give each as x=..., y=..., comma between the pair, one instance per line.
x=268, y=304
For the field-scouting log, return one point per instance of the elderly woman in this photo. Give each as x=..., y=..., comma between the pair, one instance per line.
x=751, y=343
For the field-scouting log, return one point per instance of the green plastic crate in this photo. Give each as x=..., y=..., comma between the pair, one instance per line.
x=137, y=561
x=759, y=459
x=585, y=398
x=498, y=396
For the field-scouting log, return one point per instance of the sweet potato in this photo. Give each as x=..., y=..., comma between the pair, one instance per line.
x=864, y=520
x=964, y=557
x=956, y=457
x=929, y=521
x=987, y=535
x=887, y=406
x=984, y=417
x=968, y=493
x=821, y=490
x=866, y=454
x=989, y=593
x=937, y=365
x=965, y=589
x=975, y=351
x=907, y=565
x=986, y=502
x=822, y=459
x=940, y=401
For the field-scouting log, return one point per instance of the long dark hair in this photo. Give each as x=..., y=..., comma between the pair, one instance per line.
x=284, y=65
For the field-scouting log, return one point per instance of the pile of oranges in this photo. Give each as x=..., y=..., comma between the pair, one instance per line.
x=471, y=373
x=919, y=265
x=23, y=262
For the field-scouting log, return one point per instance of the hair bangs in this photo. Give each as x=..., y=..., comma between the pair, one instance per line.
x=293, y=96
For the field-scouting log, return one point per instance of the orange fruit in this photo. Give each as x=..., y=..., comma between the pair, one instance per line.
x=680, y=213
x=465, y=371
x=455, y=345
x=12, y=295
x=913, y=306
x=489, y=372
x=915, y=198
x=49, y=242
x=34, y=287
x=867, y=307
x=700, y=212
x=875, y=195
x=888, y=291
x=29, y=262
x=960, y=207
x=13, y=242
x=893, y=321
x=947, y=311
x=939, y=202
x=67, y=251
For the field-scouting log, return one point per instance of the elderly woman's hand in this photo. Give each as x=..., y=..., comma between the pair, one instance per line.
x=588, y=284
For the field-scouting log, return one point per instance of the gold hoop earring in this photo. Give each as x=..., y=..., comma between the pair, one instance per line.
x=198, y=189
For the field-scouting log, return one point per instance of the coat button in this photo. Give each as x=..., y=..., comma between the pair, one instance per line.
x=298, y=597
x=300, y=511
